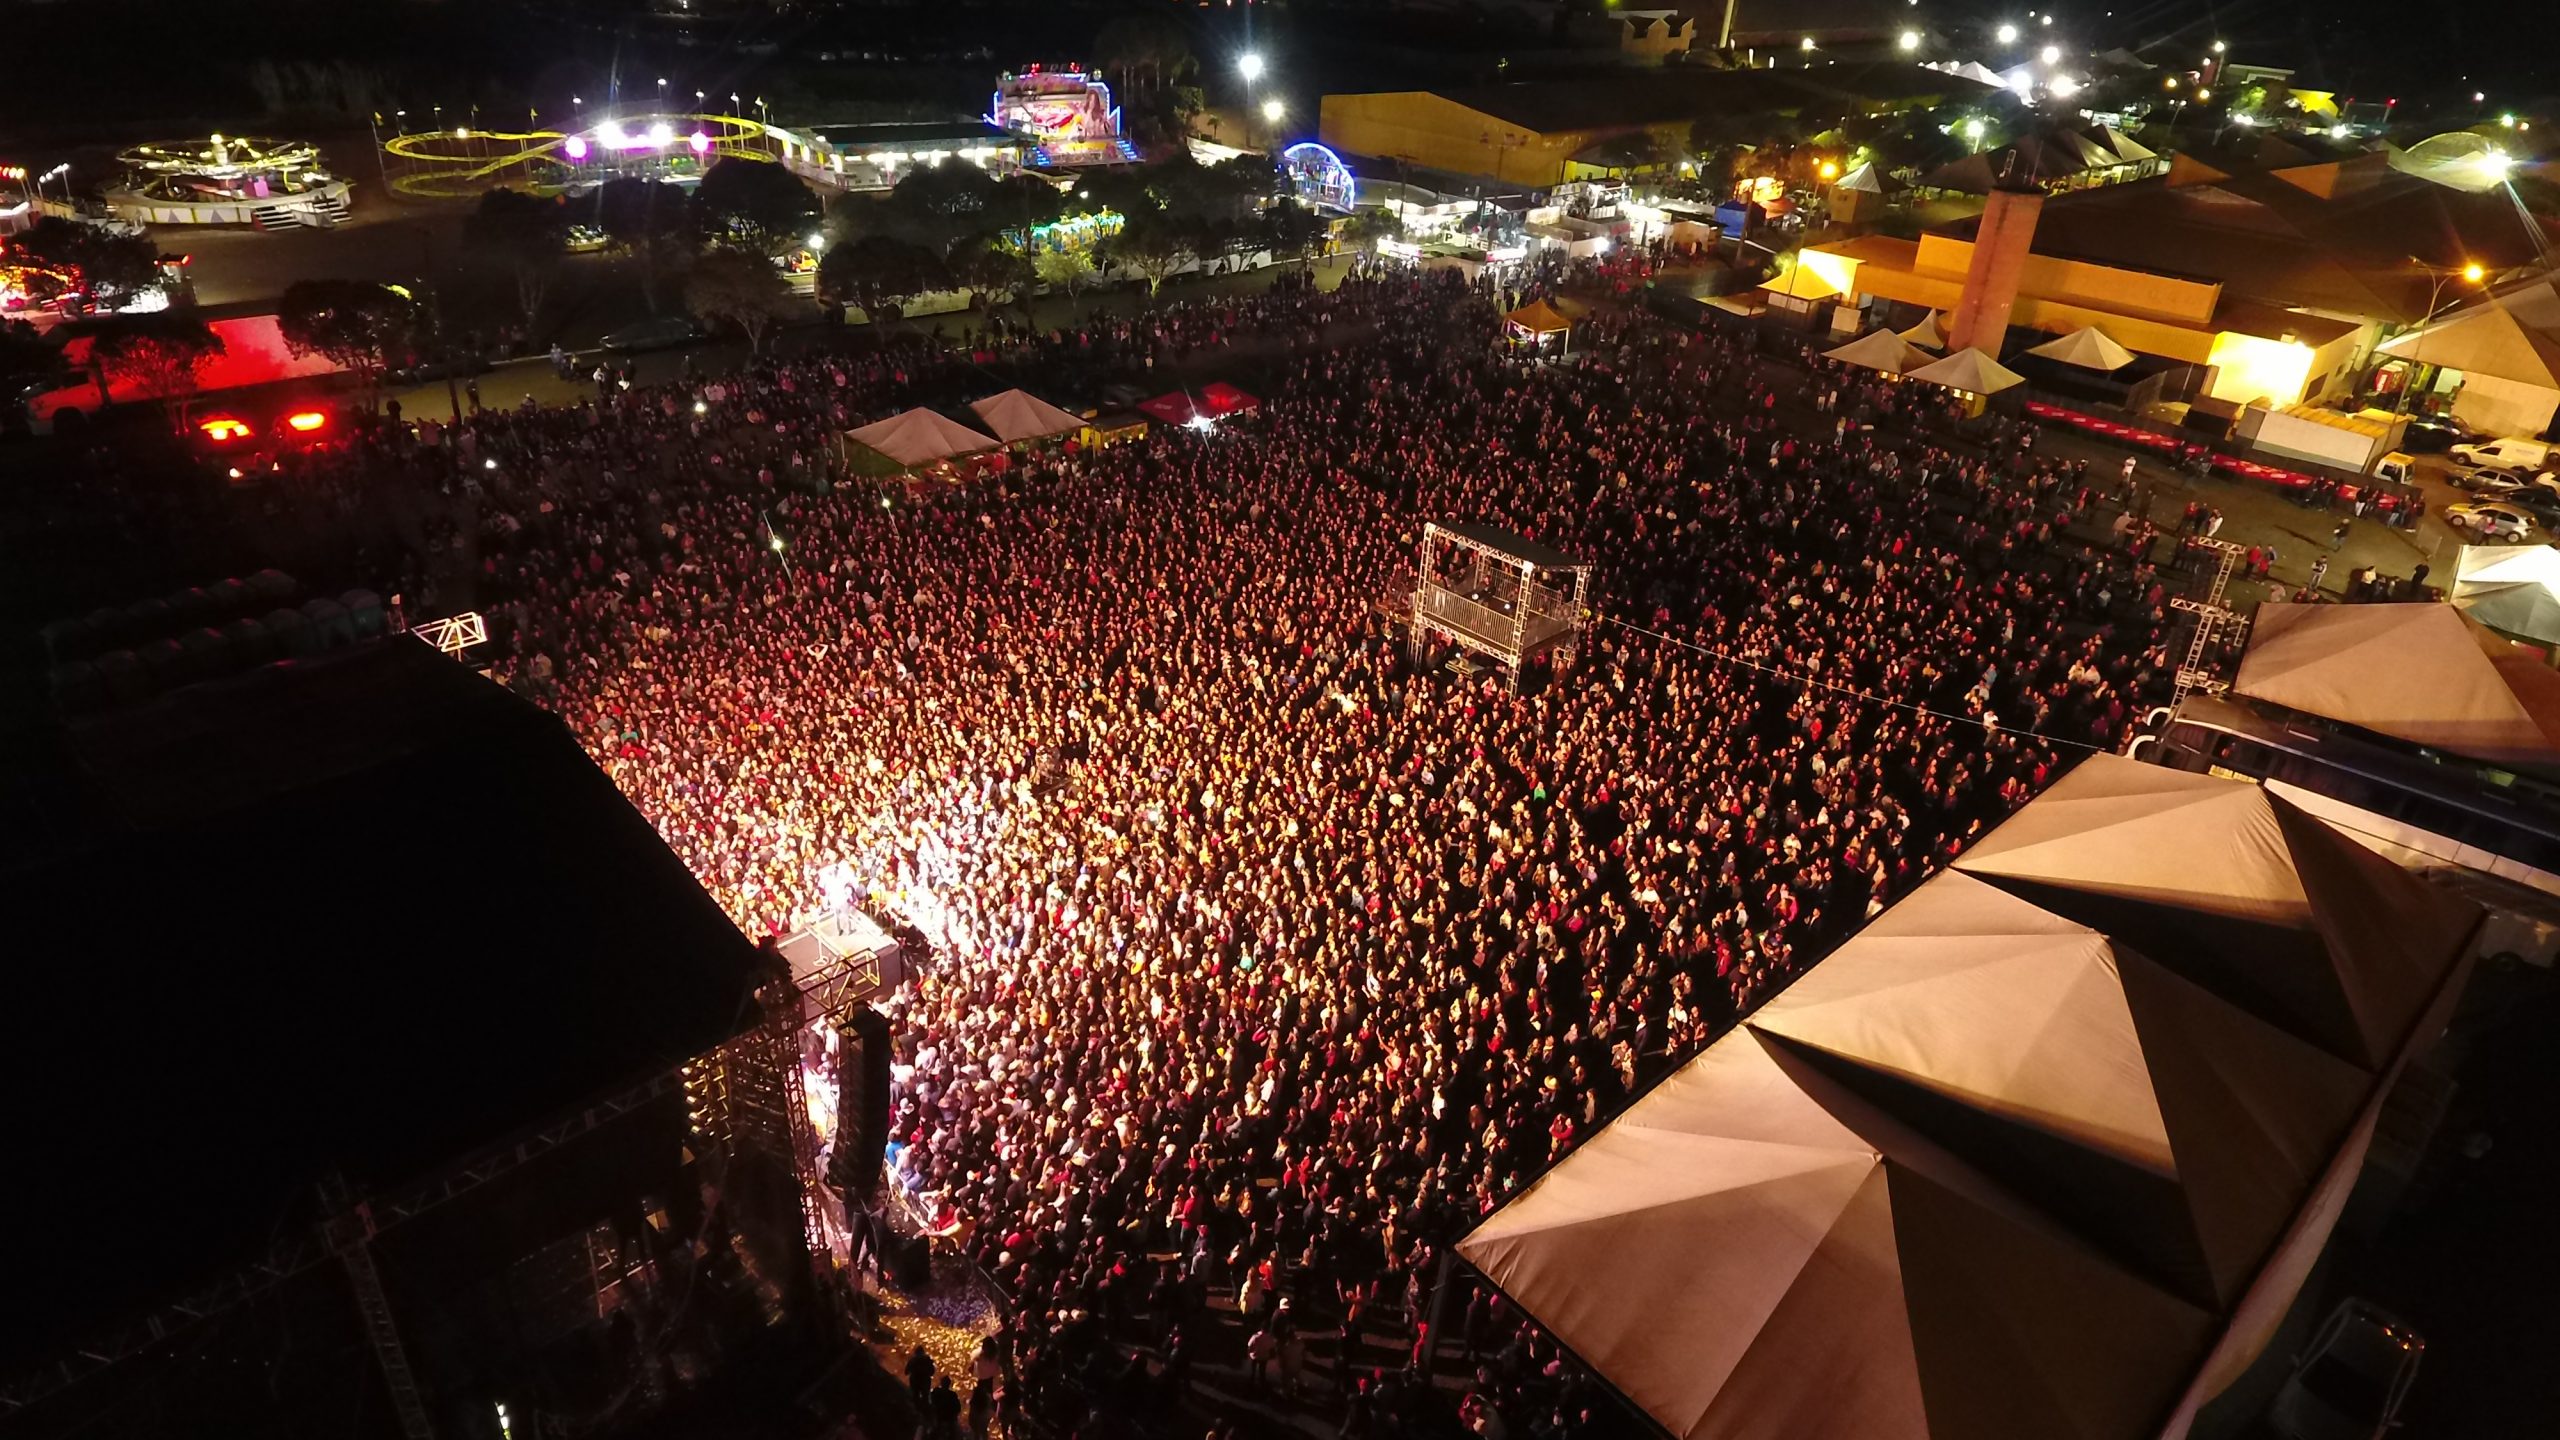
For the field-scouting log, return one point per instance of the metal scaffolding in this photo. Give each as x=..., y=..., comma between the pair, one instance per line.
x=1498, y=595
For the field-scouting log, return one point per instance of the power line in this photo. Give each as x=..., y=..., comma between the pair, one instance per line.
x=1867, y=695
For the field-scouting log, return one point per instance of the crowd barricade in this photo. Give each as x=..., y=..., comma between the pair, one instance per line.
x=2393, y=506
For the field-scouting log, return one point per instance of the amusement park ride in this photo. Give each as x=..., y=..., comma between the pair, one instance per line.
x=1067, y=114
x=462, y=162
x=233, y=180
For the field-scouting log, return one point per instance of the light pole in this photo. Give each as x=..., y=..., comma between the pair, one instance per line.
x=1250, y=66
x=2470, y=272
x=1272, y=110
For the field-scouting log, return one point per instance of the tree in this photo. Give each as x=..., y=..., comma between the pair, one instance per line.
x=526, y=233
x=1366, y=228
x=880, y=274
x=155, y=357
x=1069, y=270
x=116, y=265
x=364, y=327
x=756, y=203
x=734, y=288
x=1154, y=245
x=993, y=273
x=1290, y=228
x=653, y=223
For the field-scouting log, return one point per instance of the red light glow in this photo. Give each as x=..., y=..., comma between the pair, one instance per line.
x=223, y=428
x=306, y=421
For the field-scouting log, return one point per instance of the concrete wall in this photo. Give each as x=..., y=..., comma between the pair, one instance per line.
x=2504, y=407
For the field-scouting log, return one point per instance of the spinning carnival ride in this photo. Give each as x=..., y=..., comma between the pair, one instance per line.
x=1322, y=182
x=462, y=162
x=234, y=180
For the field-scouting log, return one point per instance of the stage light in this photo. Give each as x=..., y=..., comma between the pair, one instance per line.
x=576, y=148
x=662, y=135
x=223, y=428
x=700, y=142
x=306, y=421
x=611, y=133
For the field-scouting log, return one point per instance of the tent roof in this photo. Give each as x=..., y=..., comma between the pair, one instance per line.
x=1878, y=350
x=1020, y=415
x=2154, y=1119
x=2128, y=149
x=1801, y=283
x=1539, y=318
x=921, y=435
x=2424, y=673
x=1754, y=1252
x=2088, y=348
x=1928, y=333
x=2238, y=890
x=2487, y=339
x=2514, y=589
x=1969, y=370
x=1863, y=179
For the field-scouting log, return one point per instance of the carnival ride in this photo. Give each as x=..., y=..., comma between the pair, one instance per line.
x=1319, y=177
x=1067, y=113
x=227, y=180
x=460, y=163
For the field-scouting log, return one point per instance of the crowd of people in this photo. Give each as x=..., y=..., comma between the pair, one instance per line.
x=1266, y=955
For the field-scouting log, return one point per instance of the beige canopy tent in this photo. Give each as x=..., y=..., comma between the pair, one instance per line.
x=1537, y=320
x=1995, y=1168
x=1928, y=333
x=1801, y=282
x=2425, y=673
x=1021, y=415
x=1971, y=371
x=2240, y=891
x=2088, y=348
x=1880, y=350
x=921, y=436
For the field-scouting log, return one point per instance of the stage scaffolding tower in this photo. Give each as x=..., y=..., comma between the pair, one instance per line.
x=1498, y=595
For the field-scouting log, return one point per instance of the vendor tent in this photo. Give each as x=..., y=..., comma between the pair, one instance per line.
x=2487, y=339
x=2088, y=348
x=1222, y=399
x=2428, y=674
x=921, y=436
x=1020, y=415
x=1997, y=1167
x=1971, y=371
x=1863, y=180
x=1539, y=318
x=1881, y=350
x=1928, y=333
x=1801, y=282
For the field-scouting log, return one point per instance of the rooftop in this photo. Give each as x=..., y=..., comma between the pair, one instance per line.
x=367, y=913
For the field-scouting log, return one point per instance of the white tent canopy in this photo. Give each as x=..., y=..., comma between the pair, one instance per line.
x=1862, y=179
x=1971, y=371
x=1021, y=415
x=920, y=436
x=2512, y=589
x=2088, y=348
x=1882, y=350
x=1928, y=333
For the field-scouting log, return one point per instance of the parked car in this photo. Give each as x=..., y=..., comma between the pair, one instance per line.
x=661, y=332
x=2494, y=520
x=2496, y=479
x=2515, y=451
x=2434, y=435
x=2350, y=1381
x=585, y=240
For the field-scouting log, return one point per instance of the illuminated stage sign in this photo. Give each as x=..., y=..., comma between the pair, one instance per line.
x=1068, y=114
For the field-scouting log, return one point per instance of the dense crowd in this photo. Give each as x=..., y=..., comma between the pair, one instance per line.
x=1267, y=959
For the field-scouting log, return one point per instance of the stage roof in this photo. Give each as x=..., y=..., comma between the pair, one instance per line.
x=369, y=912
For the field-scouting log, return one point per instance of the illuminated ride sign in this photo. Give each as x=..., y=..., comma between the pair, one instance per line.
x=1067, y=113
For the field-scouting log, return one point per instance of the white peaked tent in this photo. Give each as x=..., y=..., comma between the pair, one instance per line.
x=2425, y=673
x=1998, y=1167
x=1862, y=179
x=2512, y=589
x=2128, y=149
x=1928, y=333
x=921, y=436
x=1021, y=415
x=1883, y=350
x=2240, y=891
x=1971, y=371
x=2088, y=348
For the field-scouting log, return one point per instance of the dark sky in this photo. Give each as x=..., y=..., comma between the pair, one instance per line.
x=2386, y=47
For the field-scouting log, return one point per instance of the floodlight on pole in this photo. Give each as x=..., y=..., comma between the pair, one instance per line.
x=1250, y=66
x=2051, y=54
x=2006, y=34
x=1910, y=40
x=1272, y=110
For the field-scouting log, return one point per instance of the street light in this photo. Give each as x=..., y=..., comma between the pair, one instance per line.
x=1910, y=40
x=2051, y=54
x=1272, y=110
x=2007, y=34
x=1250, y=66
x=2219, y=47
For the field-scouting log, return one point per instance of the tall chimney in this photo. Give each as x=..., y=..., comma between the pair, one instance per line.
x=2001, y=244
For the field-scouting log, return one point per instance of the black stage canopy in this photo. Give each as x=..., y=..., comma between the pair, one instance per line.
x=369, y=912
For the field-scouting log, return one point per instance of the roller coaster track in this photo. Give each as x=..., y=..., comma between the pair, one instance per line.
x=458, y=164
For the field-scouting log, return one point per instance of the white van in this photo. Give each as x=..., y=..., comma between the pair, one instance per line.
x=2512, y=452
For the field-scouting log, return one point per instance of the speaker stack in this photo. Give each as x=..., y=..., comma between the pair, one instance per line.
x=862, y=1107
